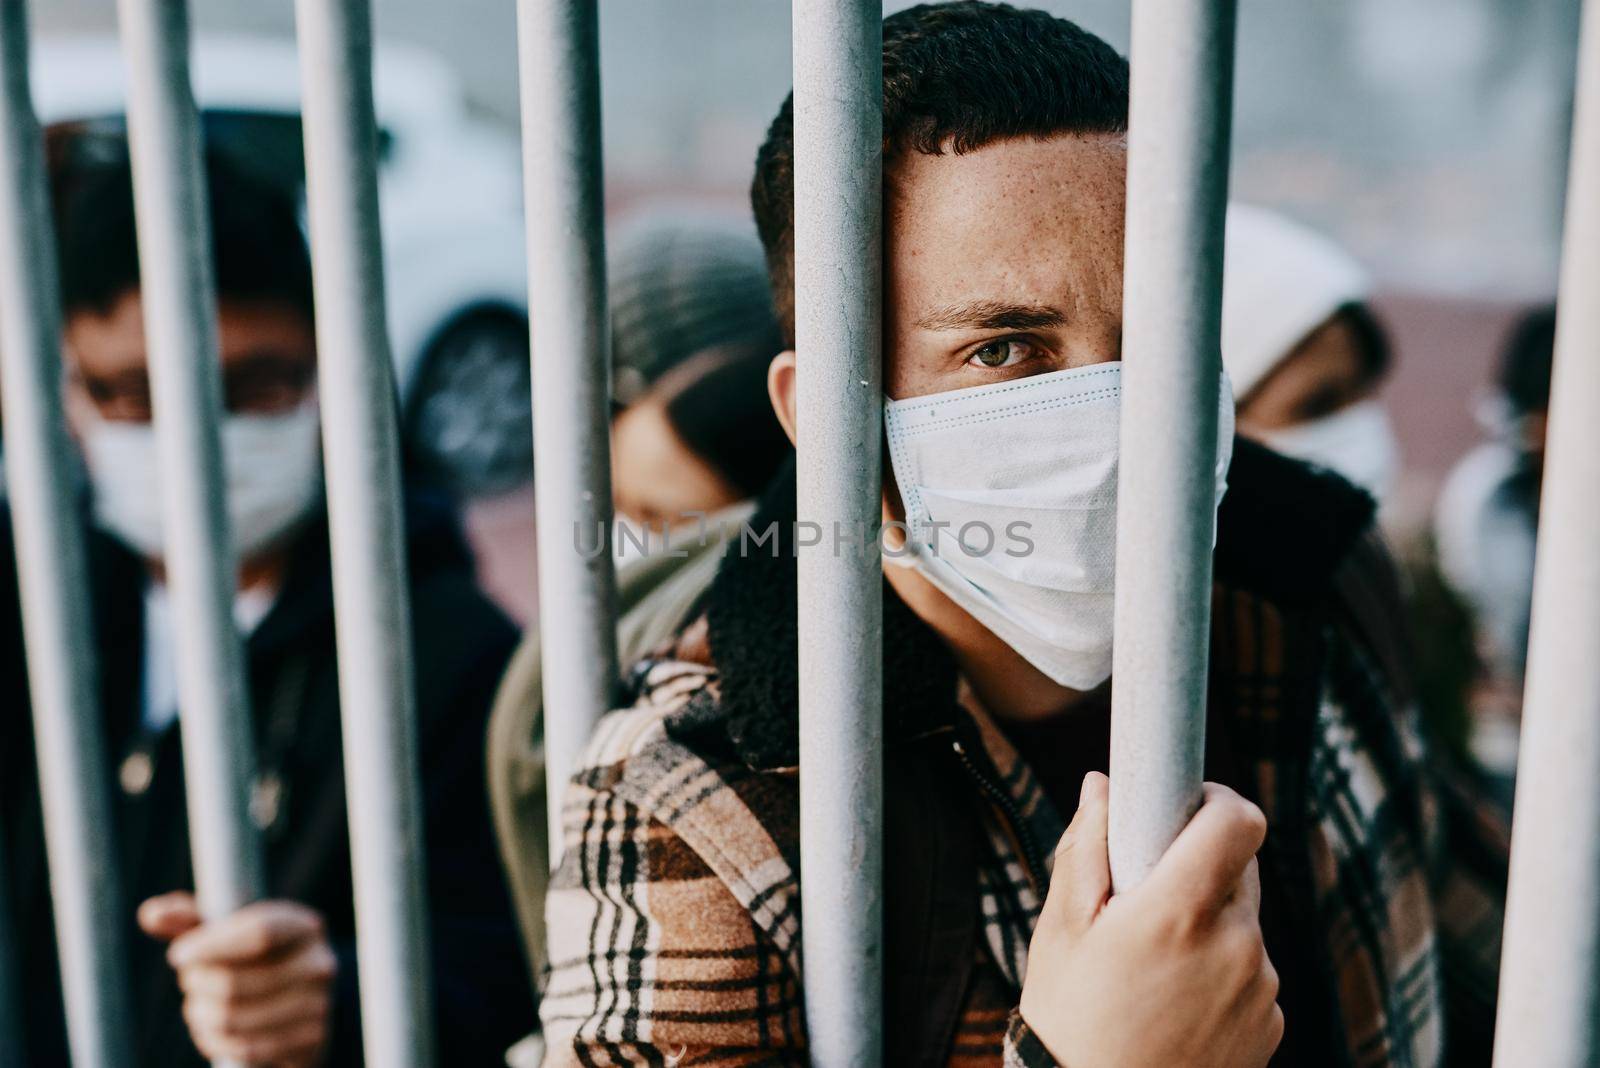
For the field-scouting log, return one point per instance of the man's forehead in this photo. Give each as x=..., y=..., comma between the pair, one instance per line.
x=107, y=341
x=1007, y=222
x=113, y=341
x=1079, y=174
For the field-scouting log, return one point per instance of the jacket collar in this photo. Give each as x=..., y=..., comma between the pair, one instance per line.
x=300, y=617
x=1283, y=530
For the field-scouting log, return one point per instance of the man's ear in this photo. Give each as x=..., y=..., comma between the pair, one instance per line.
x=781, y=390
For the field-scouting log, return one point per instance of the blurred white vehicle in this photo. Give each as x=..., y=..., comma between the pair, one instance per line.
x=451, y=205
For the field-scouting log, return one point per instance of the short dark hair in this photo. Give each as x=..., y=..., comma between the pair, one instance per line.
x=725, y=419
x=1372, y=340
x=959, y=75
x=1523, y=377
x=259, y=252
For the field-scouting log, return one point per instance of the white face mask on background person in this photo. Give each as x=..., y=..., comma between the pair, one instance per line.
x=272, y=470
x=1031, y=464
x=1357, y=441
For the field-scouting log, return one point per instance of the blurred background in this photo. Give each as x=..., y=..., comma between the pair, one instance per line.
x=1428, y=136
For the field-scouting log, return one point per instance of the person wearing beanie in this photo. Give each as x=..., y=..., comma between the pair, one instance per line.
x=1302, y=349
x=693, y=440
x=704, y=438
x=683, y=280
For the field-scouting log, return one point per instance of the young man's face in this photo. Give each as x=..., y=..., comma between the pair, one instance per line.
x=1002, y=263
x=268, y=359
x=999, y=264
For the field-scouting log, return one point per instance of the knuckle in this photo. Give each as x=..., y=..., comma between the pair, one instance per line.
x=1243, y=954
x=257, y=1049
x=199, y=1014
x=1275, y=1027
x=1255, y=952
x=225, y=986
x=1249, y=819
x=324, y=963
x=1270, y=980
x=1175, y=925
x=258, y=937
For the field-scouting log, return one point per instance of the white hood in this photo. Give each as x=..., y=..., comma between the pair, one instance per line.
x=1281, y=281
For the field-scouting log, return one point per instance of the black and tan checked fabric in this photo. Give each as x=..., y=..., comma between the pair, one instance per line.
x=674, y=925
x=674, y=919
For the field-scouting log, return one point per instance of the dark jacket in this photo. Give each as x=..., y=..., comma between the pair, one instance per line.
x=461, y=644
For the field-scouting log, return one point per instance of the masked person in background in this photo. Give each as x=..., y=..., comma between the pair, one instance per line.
x=276, y=982
x=1302, y=349
x=693, y=441
x=692, y=328
x=1307, y=903
x=1485, y=525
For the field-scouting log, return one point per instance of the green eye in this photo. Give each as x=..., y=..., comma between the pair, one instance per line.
x=1001, y=353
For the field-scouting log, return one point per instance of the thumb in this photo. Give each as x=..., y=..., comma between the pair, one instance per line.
x=1080, y=881
x=167, y=916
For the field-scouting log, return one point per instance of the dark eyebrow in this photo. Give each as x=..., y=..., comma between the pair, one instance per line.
x=991, y=315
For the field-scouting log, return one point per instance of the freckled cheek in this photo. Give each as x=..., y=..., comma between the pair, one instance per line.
x=898, y=380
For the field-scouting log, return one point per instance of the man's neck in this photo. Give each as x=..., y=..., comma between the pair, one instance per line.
x=1005, y=684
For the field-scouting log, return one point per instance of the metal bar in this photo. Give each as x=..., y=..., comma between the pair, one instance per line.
x=53, y=579
x=179, y=300
x=361, y=457
x=564, y=204
x=1549, y=1008
x=838, y=135
x=1181, y=105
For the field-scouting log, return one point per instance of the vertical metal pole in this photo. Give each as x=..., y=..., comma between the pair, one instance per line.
x=179, y=301
x=563, y=200
x=1182, y=100
x=838, y=151
x=53, y=580
x=1549, y=1011
x=361, y=450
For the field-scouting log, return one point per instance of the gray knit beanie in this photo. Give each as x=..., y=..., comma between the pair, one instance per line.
x=683, y=280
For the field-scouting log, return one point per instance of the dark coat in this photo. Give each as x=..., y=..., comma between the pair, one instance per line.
x=461, y=644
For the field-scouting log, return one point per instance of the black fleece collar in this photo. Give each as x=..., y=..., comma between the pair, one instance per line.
x=1283, y=530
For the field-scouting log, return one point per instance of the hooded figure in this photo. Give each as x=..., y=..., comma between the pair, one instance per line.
x=1303, y=352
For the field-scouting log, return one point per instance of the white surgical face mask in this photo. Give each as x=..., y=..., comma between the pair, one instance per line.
x=271, y=466
x=1357, y=441
x=1030, y=465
